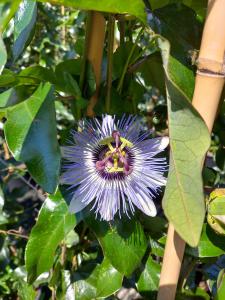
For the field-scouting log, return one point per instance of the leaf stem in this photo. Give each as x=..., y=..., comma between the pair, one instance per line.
x=111, y=29
x=120, y=84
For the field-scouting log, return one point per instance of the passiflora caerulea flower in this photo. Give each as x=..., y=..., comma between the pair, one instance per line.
x=112, y=165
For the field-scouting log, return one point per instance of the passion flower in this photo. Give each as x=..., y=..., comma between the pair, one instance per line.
x=112, y=165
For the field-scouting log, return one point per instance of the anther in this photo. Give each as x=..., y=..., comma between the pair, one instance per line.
x=100, y=164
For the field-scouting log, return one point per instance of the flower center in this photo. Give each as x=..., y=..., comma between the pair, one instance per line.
x=115, y=155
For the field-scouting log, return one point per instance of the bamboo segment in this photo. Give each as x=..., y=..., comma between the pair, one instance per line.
x=172, y=260
x=208, y=87
x=95, y=45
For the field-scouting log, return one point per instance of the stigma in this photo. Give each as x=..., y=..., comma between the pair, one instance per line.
x=115, y=156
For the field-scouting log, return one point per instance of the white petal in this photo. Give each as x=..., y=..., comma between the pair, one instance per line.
x=108, y=125
x=164, y=142
x=76, y=205
x=146, y=205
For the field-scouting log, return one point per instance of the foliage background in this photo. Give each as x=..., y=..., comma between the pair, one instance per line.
x=65, y=256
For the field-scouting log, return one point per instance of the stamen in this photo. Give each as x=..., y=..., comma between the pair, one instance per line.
x=100, y=164
x=116, y=159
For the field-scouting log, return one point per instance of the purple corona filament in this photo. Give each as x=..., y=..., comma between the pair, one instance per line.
x=113, y=166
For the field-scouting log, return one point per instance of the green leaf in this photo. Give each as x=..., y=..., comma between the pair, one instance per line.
x=179, y=25
x=148, y=281
x=53, y=224
x=97, y=281
x=182, y=76
x=12, y=96
x=3, y=54
x=24, y=22
x=135, y=8
x=70, y=85
x=7, y=11
x=157, y=248
x=25, y=291
x=123, y=242
x=220, y=286
x=189, y=141
x=72, y=66
x=156, y=226
x=199, y=294
x=152, y=72
x=36, y=74
x=120, y=57
x=8, y=78
x=200, y=7
x=6, y=98
x=210, y=244
x=33, y=124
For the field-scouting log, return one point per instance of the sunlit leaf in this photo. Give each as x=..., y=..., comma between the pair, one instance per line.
x=24, y=22
x=123, y=243
x=148, y=281
x=136, y=7
x=97, y=281
x=33, y=124
x=53, y=224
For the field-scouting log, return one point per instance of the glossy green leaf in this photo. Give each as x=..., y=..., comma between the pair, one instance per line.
x=120, y=57
x=3, y=54
x=152, y=72
x=123, y=243
x=199, y=6
x=5, y=98
x=7, y=11
x=155, y=226
x=210, y=244
x=135, y=8
x=12, y=96
x=36, y=74
x=97, y=281
x=72, y=66
x=179, y=25
x=199, y=294
x=148, y=281
x=157, y=248
x=8, y=78
x=189, y=141
x=53, y=224
x=33, y=124
x=220, y=286
x=24, y=22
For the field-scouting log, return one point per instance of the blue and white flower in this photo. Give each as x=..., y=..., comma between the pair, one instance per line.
x=112, y=165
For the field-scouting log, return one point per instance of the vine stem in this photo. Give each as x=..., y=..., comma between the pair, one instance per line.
x=207, y=93
x=111, y=29
x=95, y=44
x=14, y=232
x=120, y=84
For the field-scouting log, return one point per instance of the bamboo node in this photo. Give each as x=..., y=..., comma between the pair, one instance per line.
x=211, y=68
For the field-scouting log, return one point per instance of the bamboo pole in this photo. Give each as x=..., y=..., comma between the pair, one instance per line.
x=208, y=88
x=95, y=44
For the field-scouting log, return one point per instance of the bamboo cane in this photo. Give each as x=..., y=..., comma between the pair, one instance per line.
x=208, y=87
x=95, y=45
